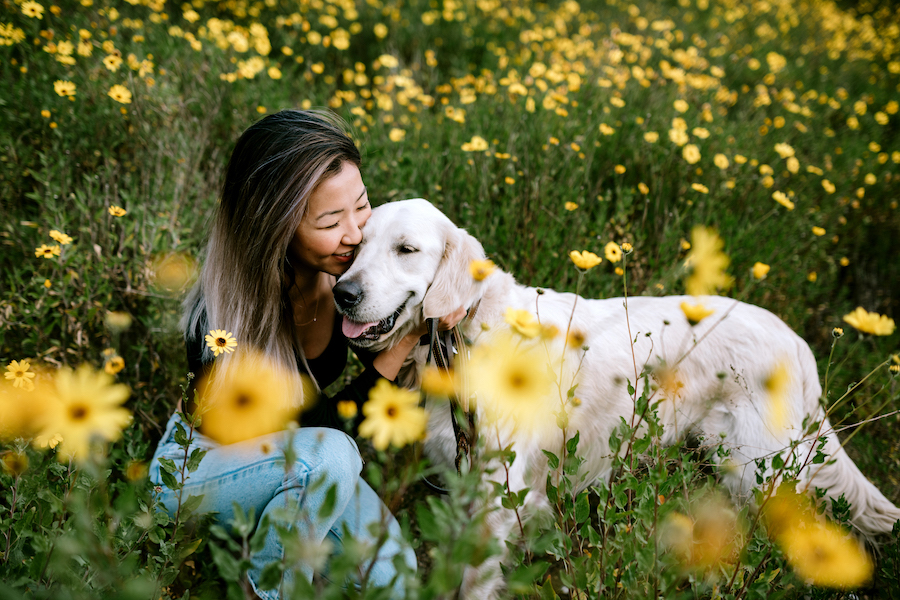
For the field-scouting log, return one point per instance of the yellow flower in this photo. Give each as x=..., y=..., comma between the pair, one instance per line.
x=695, y=312
x=707, y=541
x=13, y=463
x=792, y=164
x=782, y=199
x=721, y=161
x=619, y=169
x=20, y=374
x=651, y=137
x=818, y=231
x=777, y=387
x=678, y=136
x=681, y=106
x=45, y=251
x=820, y=552
x=784, y=150
x=173, y=272
x=346, y=409
x=112, y=62
x=870, y=322
x=114, y=365
x=120, y=93
x=118, y=320
x=274, y=73
x=837, y=332
x=248, y=398
x=481, y=269
x=396, y=134
x=82, y=406
x=691, y=154
x=438, y=382
x=699, y=187
x=584, y=259
x=828, y=186
x=512, y=382
x=642, y=187
x=64, y=88
x=33, y=10
x=476, y=144
x=117, y=211
x=136, y=470
x=523, y=322
x=707, y=263
x=60, y=237
x=613, y=252
x=760, y=270
x=393, y=416
x=570, y=206
x=220, y=342
x=700, y=132
x=576, y=339
x=627, y=247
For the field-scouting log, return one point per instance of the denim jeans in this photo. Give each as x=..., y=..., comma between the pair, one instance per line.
x=252, y=473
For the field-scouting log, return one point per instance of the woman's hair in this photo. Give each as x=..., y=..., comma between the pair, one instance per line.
x=244, y=282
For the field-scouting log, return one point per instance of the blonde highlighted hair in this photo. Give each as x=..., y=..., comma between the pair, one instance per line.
x=246, y=275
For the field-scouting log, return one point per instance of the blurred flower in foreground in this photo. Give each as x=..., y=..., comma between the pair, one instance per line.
x=819, y=551
x=695, y=312
x=481, y=269
x=84, y=405
x=522, y=322
x=118, y=320
x=782, y=199
x=709, y=539
x=20, y=374
x=117, y=211
x=870, y=322
x=707, y=263
x=346, y=409
x=512, y=381
x=247, y=398
x=173, y=271
x=438, y=382
x=14, y=463
x=220, y=341
x=760, y=270
x=777, y=385
x=584, y=259
x=114, y=364
x=393, y=416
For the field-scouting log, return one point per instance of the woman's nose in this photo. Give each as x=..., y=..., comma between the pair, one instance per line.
x=353, y=233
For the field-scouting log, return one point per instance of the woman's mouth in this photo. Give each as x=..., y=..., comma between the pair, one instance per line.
x=345, y=257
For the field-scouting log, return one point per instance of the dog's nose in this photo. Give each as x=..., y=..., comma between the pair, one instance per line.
x=347, y=294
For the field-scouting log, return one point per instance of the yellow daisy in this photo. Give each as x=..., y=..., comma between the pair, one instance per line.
x=695, y=312
x=117, y=211
x=20, y=374
x=393, y=416
x=707, y=263
x=64, y=88
x=868, y=322
x=120, y=93
x=33, y=10
x=220, y=341
x=60, y=237
x=613, y=252
x=522, y=322
x=584, y=260
x=45, y=251
x=481, y=269
x=760, y=270
x=82, y=406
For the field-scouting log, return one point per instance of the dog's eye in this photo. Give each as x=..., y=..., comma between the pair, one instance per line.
x=406, y=249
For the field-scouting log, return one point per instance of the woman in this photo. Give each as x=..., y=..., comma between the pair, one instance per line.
x=291, y=214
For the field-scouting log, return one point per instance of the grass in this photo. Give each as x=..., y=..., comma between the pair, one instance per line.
x=565, y=95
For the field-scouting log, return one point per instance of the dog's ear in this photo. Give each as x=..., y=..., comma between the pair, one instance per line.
x=453, y=285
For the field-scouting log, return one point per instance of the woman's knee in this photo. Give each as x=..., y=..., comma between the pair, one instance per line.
x=328, y=455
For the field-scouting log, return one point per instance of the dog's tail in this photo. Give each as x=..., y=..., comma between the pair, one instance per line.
x=871, y=513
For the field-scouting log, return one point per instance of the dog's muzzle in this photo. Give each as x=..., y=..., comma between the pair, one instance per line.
x=356, y=331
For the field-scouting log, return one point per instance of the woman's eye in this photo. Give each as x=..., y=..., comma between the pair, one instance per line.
x=407, y=249
x=331, y=226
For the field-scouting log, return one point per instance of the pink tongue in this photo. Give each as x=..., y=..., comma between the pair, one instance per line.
x=354, y=330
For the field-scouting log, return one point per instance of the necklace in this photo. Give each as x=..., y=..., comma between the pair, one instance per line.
x=315, y=311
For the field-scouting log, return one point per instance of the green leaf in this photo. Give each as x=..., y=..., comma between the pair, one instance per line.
x=328, y=504
x=190, y=505
x=552, y=459
x=582, y=507
x=572, y=443
x=168, y=465
x=180, y=435
x=271, y=576
x=169, y=480
x=196, y=456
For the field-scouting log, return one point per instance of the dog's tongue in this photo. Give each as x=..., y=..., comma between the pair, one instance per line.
x=354, y=330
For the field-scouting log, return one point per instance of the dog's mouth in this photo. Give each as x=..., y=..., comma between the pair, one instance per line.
x=373, y=330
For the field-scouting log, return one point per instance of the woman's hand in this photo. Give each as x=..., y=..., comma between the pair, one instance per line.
x=388, y=362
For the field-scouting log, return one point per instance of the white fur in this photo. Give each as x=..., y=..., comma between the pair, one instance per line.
x=723, y=367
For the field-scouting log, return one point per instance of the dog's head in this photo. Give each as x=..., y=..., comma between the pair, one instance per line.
x=412, y=264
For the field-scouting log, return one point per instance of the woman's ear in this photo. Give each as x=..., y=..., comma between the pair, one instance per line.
x=453, y=285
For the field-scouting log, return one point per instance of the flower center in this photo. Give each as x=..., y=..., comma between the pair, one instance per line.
x=517, y=380
x=221, y=342
x=20, y=373
x=243, y=400
x=78, y=412
x=391, y=411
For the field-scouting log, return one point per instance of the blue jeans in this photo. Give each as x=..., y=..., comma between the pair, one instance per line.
x=252, y=473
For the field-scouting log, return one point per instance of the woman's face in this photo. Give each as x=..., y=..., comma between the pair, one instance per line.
x=332, y=228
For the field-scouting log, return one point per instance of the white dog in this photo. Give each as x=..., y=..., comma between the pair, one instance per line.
x=414, y=262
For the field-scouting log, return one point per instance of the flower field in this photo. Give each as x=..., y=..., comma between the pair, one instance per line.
x=609, y=147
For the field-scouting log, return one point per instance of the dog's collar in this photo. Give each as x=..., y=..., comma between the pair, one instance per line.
x=425, y=340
